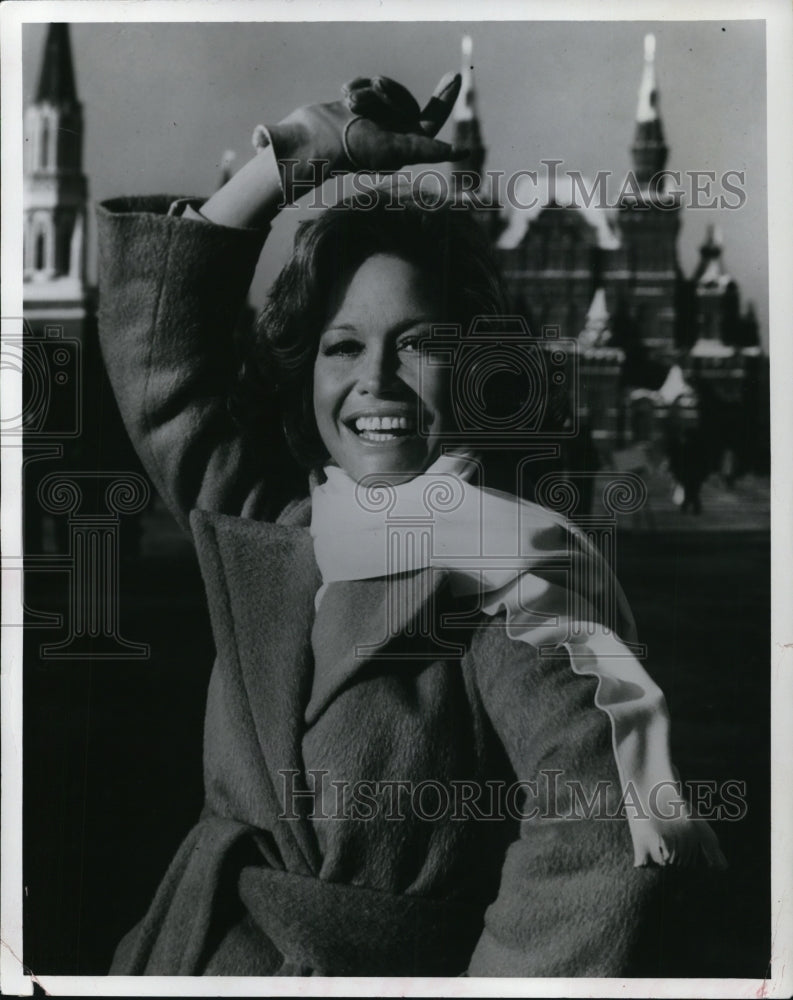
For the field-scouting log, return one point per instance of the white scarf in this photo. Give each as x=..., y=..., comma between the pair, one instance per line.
x=517, y=556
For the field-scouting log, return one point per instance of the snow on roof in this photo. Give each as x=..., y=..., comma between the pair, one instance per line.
x=674, y=385
x=707, y=347
x=598, y=310
x=713, y=276
x=566, y=194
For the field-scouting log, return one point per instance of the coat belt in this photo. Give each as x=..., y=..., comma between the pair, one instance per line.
x=338, y=929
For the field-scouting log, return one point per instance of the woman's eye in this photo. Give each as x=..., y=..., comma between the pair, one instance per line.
x=410, y=345
x=342, y=348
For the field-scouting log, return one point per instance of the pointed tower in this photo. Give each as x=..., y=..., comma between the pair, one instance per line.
x=600, y=365
x=55, y=188
x=645, y=274
x=596, y=332
x=717, y=299
x=467, y=173
x=649, y=148
x=710, y=269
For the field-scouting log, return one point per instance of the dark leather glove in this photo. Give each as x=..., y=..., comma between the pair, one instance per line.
x=378, y=126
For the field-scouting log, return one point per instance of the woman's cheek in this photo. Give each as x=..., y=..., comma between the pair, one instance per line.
x=324, y=396
x=439, y=397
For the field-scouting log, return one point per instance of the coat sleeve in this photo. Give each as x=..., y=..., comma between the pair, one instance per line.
x=171, y=292
x=570, y=902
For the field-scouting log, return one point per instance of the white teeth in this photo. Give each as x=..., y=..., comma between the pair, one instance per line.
x=383, y=424
x=377, y=436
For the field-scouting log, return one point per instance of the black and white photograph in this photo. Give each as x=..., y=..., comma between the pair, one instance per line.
x=396, y=505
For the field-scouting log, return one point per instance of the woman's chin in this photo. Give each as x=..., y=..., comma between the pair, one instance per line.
x=397, y=461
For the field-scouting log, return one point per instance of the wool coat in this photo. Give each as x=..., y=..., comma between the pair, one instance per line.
x=347, y=826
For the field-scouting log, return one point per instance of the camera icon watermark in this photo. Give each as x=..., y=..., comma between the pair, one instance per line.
x=42, y=421
x=503, y=380
x=50, y=366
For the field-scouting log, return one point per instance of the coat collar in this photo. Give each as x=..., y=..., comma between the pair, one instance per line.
x=362, y=625
x=261, y=579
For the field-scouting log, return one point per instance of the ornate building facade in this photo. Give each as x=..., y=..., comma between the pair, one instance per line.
x=56, y=195
x=610, y=278
x=71, y=421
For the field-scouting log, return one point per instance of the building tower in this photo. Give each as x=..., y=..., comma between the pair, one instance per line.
x=717, y=301
x=55, y=192
x=645, y=274
x=649, y=148
x=467, y=173
x=600, y=363
x=72, y=421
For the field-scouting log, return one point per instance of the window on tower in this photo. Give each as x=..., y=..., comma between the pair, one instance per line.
x=62, y=262
x=40, y=256
x=44, y=152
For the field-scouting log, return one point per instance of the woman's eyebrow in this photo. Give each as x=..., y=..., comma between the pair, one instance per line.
x=340, y=326
x=414, y=321
x=395, y=330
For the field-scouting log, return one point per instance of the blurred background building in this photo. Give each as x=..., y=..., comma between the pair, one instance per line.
x=670, y=366
x=671, y=377
x=71, y=421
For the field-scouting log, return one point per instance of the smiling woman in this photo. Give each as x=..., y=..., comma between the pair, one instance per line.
x=357, y=668
x=368, y=384
x=351, y=314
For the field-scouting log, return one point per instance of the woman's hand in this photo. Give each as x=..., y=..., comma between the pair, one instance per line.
x=378, y=126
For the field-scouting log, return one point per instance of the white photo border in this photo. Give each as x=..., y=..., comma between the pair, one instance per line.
x=778, y=16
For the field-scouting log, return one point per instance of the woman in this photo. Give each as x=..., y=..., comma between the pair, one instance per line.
x=356, y=684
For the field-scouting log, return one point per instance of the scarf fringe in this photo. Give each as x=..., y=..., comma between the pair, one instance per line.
x=682, y=843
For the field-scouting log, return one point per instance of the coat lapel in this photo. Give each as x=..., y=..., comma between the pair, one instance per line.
x=261, y=579
x=362, y=625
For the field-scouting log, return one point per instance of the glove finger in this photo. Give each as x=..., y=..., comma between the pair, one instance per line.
x=356, y=84
x=383, y=100
x=417, y=148
x=439, y=106
x=371, y=148
x=396, y=97
x=369, y=105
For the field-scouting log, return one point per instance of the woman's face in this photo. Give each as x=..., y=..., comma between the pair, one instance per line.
x=379, y=406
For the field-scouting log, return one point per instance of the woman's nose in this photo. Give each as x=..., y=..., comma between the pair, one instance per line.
x=378, y=374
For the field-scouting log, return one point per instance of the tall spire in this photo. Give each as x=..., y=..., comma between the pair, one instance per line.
x=597, y=332
x=466, y=104
x=56, y=190
x=649, y=149
x=717, y=300
x=467, y=132
x=647, y=110
x=56, y=79
x=710, y=271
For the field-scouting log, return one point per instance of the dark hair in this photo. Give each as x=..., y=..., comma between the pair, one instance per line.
x=446, y=243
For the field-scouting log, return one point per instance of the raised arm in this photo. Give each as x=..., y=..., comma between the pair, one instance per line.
x=171, y=291
x=172, y=287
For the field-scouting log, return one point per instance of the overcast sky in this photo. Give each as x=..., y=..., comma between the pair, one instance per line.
x=163, y=101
